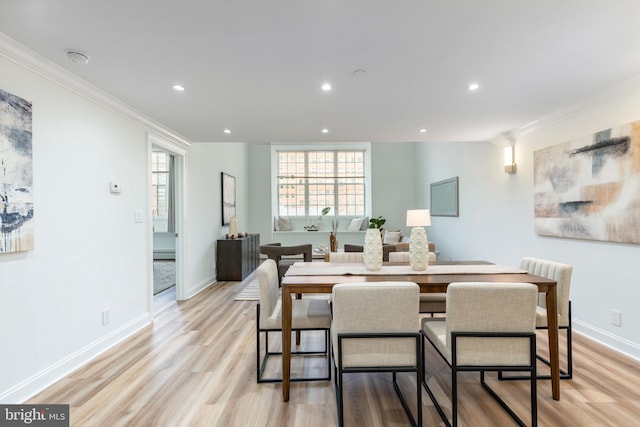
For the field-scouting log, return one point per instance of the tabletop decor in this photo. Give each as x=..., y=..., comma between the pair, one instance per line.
x=372, y=249
x=418, y=243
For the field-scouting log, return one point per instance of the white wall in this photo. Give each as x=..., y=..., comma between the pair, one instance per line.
x=90, y=254
x=203, y=216
x=496, y=219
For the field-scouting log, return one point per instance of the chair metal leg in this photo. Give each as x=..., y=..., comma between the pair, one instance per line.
x=564, y=375
x=339, y=374
x=534, y=392
x=428, y=389
x=482, y=370
x=261, y=363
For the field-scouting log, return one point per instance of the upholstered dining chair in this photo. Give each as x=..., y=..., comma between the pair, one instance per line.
x=307, y=314
x=276, y=251
x=404, y=257
x=561, y=273
x=489, y=327
x=375, y=328
x=429, y=303
x=386, y=249
x=346, y=257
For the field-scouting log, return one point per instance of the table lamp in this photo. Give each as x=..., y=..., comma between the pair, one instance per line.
x=418, y=243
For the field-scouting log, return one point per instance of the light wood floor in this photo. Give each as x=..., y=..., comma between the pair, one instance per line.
x=195, y=366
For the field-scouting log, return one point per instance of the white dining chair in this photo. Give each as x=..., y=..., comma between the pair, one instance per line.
x=489, y=327
x=429, y=303
x=561, y=273
x=346, y=257
x=375, y=328
x=307, y=314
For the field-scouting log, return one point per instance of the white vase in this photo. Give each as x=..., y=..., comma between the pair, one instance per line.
x=418, y=249
x=372, y=249
x=233, y=226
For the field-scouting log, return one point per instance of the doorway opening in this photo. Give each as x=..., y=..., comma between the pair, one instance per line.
x=166, y=192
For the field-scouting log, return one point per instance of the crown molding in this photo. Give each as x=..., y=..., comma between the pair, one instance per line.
x=617, y=90
x=26, y=58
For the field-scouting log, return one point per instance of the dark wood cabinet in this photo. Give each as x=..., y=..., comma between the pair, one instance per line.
x=237, y=258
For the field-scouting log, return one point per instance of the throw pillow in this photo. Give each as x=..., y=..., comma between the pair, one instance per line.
x=355, y=224
x=391, y=237
x=284, y=224
x=365, y=224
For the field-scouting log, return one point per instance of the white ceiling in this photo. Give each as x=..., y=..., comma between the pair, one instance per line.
x=256, y=66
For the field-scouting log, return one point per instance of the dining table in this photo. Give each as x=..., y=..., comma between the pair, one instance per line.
x=320, y=277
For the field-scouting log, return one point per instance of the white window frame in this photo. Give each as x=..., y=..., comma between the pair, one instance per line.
x=363, y=146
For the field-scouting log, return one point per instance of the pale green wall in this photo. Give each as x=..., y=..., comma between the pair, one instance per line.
x=393, y=178
x=496, y=219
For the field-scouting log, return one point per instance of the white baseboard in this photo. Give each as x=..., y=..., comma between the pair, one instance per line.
x=45, y=378
x=190, y=293
x=621, y=345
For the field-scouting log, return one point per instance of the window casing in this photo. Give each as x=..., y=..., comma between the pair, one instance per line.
x=308, y=180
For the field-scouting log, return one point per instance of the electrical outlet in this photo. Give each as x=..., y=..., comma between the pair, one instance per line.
x=616, y=318
x=106, y=316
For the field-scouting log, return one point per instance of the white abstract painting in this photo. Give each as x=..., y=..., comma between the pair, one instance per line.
x=16, y=174
x=589, y=188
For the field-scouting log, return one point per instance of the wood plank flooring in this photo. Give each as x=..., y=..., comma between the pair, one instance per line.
x=195, y=366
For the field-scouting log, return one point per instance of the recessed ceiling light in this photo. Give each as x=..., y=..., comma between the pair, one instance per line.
x=78, y=57
x=325, y=130
x=326, y=87
x=423, y=130
x=473, y=86
x=178, y=88
x=227, y=131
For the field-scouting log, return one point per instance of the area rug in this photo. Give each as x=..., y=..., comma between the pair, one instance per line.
x=250, y=292
x=164, y=275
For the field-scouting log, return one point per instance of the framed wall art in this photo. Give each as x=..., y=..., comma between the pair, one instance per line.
x=16, y=174
x=228, y=197
x=589, y=187
x=444, y=198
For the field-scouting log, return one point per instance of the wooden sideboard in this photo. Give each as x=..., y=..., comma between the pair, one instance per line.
x=237, y=258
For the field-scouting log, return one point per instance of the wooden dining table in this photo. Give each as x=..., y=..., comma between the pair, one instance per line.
x=319, y=283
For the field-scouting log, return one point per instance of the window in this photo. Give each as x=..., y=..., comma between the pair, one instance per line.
x=309, y=181
x=160, y=189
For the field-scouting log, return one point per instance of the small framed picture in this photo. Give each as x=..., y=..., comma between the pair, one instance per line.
x=228, y=197
x=444, y=197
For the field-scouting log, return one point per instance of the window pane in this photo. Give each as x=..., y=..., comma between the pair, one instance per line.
x=159, y=189
x=309, y=181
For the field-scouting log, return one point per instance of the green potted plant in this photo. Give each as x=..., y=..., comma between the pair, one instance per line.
x=377, y=222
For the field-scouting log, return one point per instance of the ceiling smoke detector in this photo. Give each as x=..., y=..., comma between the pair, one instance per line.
x=360, y=74
x=77, y=57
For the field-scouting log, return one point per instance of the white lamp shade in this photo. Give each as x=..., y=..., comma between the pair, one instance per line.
x=508, y=156
x=418, y=218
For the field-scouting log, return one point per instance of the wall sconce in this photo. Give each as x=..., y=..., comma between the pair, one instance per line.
x=510, y=166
